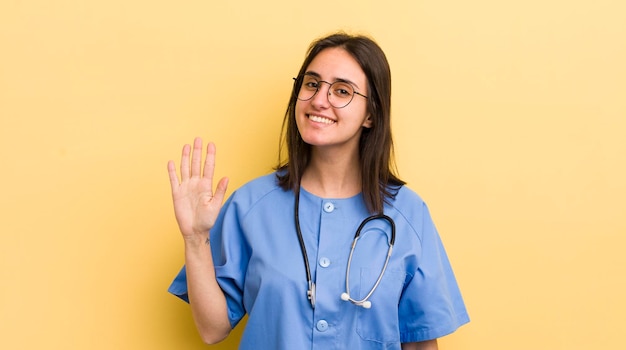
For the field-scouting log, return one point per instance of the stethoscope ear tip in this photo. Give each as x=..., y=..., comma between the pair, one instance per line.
x=364, y=304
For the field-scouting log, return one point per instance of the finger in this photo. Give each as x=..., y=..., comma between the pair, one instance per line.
x=171, y=169
x=209, y=162
x=196, y=157
x=184, y=163
x=220, y=191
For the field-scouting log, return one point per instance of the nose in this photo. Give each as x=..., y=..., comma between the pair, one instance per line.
x=320, y=100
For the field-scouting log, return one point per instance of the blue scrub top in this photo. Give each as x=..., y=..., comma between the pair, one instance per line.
x=259, y=266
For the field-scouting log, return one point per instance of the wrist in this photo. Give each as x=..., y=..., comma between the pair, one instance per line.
x=197, y=240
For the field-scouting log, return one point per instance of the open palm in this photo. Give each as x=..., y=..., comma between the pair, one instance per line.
x=196, y=206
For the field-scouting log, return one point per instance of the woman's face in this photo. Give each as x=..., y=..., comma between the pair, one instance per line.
x=319, y=123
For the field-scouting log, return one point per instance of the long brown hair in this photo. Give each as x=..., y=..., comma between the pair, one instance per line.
x=379, y=182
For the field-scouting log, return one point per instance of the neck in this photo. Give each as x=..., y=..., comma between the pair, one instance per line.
x=332, y=176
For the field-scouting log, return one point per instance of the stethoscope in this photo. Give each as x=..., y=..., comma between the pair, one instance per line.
x=365, y=303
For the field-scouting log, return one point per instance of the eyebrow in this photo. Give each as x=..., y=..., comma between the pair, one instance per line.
x=343, y=80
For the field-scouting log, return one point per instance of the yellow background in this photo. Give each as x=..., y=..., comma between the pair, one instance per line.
x=509, y=119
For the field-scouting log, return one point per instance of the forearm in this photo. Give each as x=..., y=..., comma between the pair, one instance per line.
x=424, y=345
x=207, y=301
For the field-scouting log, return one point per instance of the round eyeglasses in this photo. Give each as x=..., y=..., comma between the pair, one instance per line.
x=340, y=93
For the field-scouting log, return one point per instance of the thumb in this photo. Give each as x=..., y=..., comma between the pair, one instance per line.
x=220, y=191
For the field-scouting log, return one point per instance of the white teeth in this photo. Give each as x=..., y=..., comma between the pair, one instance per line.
x=320, y=119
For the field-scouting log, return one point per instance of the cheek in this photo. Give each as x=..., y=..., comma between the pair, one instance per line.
x=298, y=110
x=298, y=120
x=357, y=114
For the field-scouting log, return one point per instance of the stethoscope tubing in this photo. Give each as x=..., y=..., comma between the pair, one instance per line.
x=311, y=286
x=357, y=235
x=346, y=295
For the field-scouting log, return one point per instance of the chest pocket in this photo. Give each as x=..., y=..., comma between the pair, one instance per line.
x=380, y=322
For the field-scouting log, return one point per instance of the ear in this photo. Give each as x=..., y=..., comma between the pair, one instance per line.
x=368, y=123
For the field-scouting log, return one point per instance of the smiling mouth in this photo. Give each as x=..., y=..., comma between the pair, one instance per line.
x=319, y=119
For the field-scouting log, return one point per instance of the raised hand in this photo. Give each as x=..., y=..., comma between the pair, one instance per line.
x=196, y=206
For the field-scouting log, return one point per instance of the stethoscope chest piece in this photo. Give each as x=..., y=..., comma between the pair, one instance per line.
x=311, y=293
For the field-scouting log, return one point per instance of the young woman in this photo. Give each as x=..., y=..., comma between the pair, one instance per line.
x=331, y=251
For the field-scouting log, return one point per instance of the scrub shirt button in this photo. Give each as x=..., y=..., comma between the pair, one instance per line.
x=322, y=326
x=329, y=207
x=324, y=262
